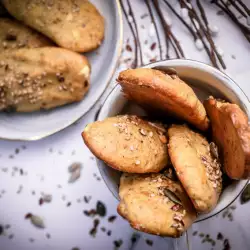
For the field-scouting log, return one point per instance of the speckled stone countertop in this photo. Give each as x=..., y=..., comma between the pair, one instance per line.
x=30, y=169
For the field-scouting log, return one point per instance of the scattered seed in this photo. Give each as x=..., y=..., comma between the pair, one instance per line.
x=74, y=166
x=1, y=230
x=149, y=242
x=47, y=198
x=220, y=236
x=75, y=175
x=128, y=48
x=233, y=56
x=90, y=213
x=31, y=240
x=68, y=204
x=109, y=232
x=201, y=235
x=118, y=243
x=37, y=221
x=11, y=236
x=75, y=248
x=21, y=171
x=103, y=229
x=87, y=199
x=100, y=209
x=112, y=218
x=19, y=189
x=195, y=233
x=41, y=201
x=7, y=226
x=48, y=236
x=172, y=196
x=28, y=216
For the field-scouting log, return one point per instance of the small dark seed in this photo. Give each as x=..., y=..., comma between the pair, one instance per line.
x=149, y=242
x=27, y=216
x=101, y=209
x=220, y=236
x=112, y=218
x=195, y=233
x=1, y=230
x=109, y=232
x=10, y=37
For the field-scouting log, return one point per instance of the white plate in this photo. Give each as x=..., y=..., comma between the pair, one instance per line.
x=37, y=125
x=205, y=80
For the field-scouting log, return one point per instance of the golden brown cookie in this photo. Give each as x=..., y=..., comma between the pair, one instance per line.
x=76, y=25
x=15, y=35
x=196, y=166
x=153, y=89
x=128, y=143
x=231, y=132
x=154, y=204
x=41, y=78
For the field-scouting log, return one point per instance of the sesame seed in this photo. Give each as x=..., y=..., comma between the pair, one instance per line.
x=137, y=162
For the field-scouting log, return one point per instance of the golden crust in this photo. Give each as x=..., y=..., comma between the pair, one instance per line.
x=146, y=207
x=153, y=89
x=41, y=78
x=15, y=35
x=76, y=25
x=231, y=132
x=198, y=171
x=128, y=143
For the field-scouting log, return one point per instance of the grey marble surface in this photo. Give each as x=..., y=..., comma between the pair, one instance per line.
x=29, y=168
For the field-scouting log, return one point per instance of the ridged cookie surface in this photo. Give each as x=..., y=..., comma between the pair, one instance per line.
x=15, y=35
x=196, y=166
x=154, y=89
x=76, y=25
x=41, y=78
x=128, y=143
x=154, y=204
x=231, y=132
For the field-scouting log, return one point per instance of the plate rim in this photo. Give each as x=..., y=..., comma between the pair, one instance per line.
x=119, y=52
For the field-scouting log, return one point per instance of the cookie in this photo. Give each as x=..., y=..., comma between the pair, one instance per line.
x=156, y=90
x=154, y=204
x=76, y=25
x=15, y=35
x=196, y=165
x=128, y=143
x=231, y=132
x=41, y=78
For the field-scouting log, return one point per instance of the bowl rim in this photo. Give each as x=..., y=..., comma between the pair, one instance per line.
x=151, y=65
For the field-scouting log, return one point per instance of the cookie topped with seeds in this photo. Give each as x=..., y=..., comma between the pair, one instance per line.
x=154, y=204
x=15, y=35
x=231, y=132
x=164, y=93
x=75, y=25
x=128, y=143
x=41, y=78
x=197, y=166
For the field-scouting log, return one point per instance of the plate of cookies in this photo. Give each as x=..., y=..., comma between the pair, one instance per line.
x=172, y=143
x=51, y=62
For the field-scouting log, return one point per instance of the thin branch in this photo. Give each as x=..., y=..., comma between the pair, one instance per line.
x=168, y=33
x=131, y=13
x=244, y=6
x=155, y=27
x=181, y=19
x=204, y=30
x=211, y=55
x=135, y=63
x=238, y=8
x=243, y=28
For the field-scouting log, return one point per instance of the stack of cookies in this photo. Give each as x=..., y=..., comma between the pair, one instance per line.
x=171, y=171
x=40, y=67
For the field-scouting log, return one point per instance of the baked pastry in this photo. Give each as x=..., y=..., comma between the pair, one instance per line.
x=154, y=204
x=15, y=35
x=231, y=132
x=196, y=166
x=128, y=143
x=76, y=25
x=41, y=78
x=168, y=93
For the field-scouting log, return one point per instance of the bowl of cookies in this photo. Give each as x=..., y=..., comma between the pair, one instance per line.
x=172, y=142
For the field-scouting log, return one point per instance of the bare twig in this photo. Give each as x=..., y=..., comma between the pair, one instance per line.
x=181, y=19
x=204, y=30
x=155, y=26
x=244, y=6
x=131, y=13
x=234, y=4
x=245, y=30
x=135, y=63
x=168, y=33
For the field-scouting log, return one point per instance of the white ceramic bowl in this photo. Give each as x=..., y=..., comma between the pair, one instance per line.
x=205, y=81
